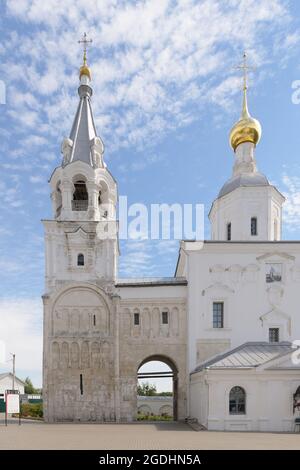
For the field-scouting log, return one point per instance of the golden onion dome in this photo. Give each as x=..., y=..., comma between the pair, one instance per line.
x=84, y=69
x=247, y=129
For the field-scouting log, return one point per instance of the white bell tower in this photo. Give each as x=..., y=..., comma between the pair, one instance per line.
x=81, y=240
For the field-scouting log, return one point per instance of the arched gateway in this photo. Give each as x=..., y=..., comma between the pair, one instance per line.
x=172, y=373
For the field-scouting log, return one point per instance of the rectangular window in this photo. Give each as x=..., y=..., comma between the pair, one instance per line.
x=218, y=314
x=253, y=226
x=165, y=318
x=81, y=385
x=136, y=318
x=229, y=231
x=274, y=335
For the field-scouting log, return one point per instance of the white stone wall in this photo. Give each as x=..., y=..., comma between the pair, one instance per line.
x=65, y=241
x=235, y=273
x=155, y=405
x=269, y=399
x=90, y=332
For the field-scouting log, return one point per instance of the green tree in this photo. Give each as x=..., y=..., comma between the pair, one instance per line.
x=146, y=389
x=29, y=388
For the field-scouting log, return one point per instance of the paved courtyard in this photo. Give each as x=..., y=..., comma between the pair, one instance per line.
x=38, y=435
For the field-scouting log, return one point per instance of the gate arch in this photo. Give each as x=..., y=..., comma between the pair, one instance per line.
x=173, y=373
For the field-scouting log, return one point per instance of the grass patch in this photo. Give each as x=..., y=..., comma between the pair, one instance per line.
x=152, y=417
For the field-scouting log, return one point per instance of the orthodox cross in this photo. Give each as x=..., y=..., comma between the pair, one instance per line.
x=85, y=43
x=245, y=68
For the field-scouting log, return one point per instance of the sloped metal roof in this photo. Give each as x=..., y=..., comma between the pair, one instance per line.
x=151, y=281
x=7, y=374
x=83, y=130
x=248, y=355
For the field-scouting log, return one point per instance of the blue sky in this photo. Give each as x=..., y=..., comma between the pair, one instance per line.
x=166, y=93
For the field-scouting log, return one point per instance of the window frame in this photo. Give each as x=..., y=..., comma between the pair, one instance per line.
x=228, y=231
x=237, y=402
x=165, y=315
x=219, y=302
x=80, y=264
x=277, y=329
x=254, y=219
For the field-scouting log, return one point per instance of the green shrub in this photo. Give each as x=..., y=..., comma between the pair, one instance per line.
x=31, y=410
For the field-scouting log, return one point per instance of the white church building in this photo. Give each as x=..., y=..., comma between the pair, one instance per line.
x=224, y=324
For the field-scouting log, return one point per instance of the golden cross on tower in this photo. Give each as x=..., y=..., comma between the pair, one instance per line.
x=245, y=68
x=85, y=43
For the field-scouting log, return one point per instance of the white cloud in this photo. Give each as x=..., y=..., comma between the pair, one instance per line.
x=145, y=258
x=154, y=63
x=35, y=179
x=291, y=208
x=21, y=331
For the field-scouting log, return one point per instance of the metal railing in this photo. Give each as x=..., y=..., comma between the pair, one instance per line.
x=80, y=205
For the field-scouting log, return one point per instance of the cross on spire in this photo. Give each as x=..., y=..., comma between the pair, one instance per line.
x=85, y=43
x=245, y=68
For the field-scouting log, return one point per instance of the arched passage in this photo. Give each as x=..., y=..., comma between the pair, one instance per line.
x=160, y=367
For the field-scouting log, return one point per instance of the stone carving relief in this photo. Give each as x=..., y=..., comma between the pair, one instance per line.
x=85, y=355
x=81, y=356
x=234, y=273
x=64, y=360
x=95, y=355
x=150, y=322
x=55, y=355
x=74, y=355
x=90, y=316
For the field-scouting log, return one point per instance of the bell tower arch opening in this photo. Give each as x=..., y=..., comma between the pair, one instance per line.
x=157, y=389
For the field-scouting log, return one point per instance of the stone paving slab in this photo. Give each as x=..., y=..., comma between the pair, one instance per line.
x=38, y=435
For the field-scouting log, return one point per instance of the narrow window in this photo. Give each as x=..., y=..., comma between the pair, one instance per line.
x=237, y=401
x=253, y=226
x=94, y=320
x=80, y=260
x=274, y=335
x=81, y=385
x=229, y=231
x=165, y=318
x=136, y=318
x=218, y=314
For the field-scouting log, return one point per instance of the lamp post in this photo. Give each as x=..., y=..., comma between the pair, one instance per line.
x=14, y=369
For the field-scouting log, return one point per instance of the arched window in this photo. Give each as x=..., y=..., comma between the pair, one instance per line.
x=80, y=260
x=237, y=401
x=80, y=196
x=296, y=403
